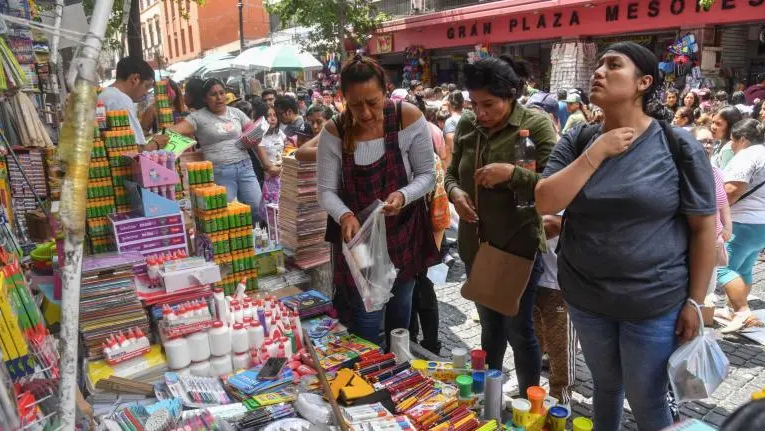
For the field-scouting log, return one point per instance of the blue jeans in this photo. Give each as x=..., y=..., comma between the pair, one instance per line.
x=497, y=330
x=628, y=356
x=397, y=313
x=241, y=183
x=747, y=242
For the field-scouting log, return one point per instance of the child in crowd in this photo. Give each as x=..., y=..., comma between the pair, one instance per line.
x=551, y=322
x=270, y=154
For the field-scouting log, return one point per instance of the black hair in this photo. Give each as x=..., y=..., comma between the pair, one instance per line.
x=325, y=111
x=562, y=95
x=456, y=100
x=178, y=102
x=268, y=91
x=738, y=98
x=731, y=115
x=695, y=99
x=760, y=78
x=501, y=76
x=414, y=84
x=207, y=86
x=647, y=64
x=750, y=416
x=750, y=129
x=259, y=107
x=721, y=96
x=431, y=114
x=451, y=87
x=442, y=116
x=583, y=95
x=134, y=65
x=284, y=103
x=245, y=107
x=686, y=113
x=194, y=91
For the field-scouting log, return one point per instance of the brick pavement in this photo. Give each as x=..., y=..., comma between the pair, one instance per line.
x=747, y=375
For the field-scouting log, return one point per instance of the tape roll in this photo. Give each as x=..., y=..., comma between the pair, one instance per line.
x=493, y=396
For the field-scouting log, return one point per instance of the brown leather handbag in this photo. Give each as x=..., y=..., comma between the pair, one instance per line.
x=497, y=278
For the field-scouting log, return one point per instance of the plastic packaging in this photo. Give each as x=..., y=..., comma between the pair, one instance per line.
x=177, y=352
x=220, y=339
x=221, y=365
x=697, y=367
x=368, y=259
x=241, y=361
x=255, y=335
x=239, y=342
x=201, y=369
x=199, y=346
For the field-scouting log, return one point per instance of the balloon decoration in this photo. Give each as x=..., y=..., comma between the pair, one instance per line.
x=416, y=65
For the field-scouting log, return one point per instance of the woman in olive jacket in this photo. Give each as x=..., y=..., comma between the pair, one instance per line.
x=494, y=85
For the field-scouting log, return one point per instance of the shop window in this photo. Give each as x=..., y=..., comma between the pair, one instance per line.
x=151, y=34
x=191, y=40
x=159, y=34
x=169, y=47
x=183, y=41
x=177, y=51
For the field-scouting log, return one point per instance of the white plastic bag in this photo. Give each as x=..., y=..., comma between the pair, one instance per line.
x=697, y=367
x=368, y=259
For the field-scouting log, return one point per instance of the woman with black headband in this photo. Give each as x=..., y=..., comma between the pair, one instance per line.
x=491, y=130
x=377, y=150
x=638, y=240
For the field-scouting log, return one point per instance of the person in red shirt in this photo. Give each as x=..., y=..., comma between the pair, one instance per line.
x=756, y=91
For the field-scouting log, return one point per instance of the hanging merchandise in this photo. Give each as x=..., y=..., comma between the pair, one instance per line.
x=416, y=65
x=480, y=52
x=30, y=128
x=11, y=73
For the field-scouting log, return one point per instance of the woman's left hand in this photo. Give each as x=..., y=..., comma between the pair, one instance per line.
x=493, y=174
x=393, y=204
x=687, y=324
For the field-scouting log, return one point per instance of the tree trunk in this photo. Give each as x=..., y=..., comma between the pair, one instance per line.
x=134, y=42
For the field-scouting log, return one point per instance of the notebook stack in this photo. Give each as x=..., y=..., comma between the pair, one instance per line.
x=108, y=302
x=301, y=221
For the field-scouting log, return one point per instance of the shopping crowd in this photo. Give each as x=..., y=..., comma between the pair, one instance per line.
x=646, y=201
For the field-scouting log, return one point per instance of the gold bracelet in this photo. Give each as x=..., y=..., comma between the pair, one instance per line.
x=589, y=160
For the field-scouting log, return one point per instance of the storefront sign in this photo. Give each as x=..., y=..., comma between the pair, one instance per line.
x=534, y=22
x=384, y=43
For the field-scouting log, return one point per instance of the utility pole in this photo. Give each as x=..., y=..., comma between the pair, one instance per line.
x=243, y=83
x=241, y=26
x=134, y=42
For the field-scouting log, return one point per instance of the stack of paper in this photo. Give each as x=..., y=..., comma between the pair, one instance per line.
x=108, y=302
x=302, y=222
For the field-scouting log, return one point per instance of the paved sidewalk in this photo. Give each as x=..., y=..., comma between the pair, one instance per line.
x=458, y=329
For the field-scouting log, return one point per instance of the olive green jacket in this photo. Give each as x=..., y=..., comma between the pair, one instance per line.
x=514, y=230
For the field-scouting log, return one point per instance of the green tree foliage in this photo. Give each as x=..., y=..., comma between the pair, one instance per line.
x=332, y=21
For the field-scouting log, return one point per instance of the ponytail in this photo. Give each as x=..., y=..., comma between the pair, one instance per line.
x=358, y=70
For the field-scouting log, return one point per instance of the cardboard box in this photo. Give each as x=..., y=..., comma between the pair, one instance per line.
x=174, y=281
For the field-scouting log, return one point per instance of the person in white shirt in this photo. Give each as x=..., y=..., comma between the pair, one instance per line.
x=551, y=322
x=134, y=79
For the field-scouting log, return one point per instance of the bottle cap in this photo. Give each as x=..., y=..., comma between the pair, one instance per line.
x=237, y=326
x=255, y=323
x=217, y=324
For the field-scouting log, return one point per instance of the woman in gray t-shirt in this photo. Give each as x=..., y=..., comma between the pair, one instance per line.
x=217, y=128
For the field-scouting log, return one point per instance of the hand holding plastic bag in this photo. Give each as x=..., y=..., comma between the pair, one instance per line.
x=369, y=261
x=697, y=367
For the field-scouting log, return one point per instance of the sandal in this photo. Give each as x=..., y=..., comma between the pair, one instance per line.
x=742, y=320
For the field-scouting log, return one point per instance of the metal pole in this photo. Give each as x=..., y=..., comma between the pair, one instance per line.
x=241, y=26
x=74, y=151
